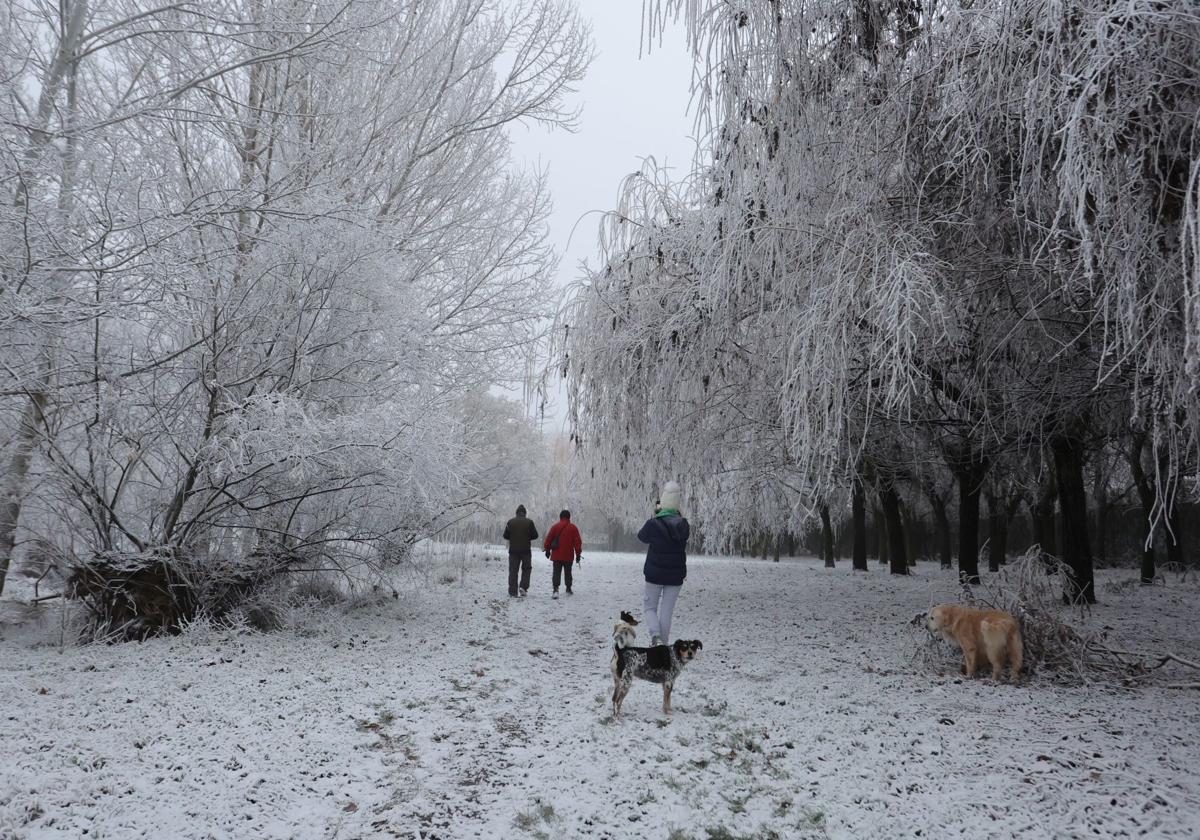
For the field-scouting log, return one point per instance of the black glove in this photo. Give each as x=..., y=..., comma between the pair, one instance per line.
x=547, y=554
x=579, y=560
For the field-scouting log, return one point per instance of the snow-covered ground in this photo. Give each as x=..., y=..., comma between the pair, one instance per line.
x=457, y=712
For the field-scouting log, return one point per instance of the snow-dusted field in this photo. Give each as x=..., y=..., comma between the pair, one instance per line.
x=461, y=713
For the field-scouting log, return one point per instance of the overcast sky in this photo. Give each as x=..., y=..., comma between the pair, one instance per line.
x=633, y=108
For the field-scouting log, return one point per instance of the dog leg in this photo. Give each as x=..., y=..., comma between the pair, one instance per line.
x=995, y=646
x=969, y=662
x=619, y=692
x=1014, y=658
x=667, y=686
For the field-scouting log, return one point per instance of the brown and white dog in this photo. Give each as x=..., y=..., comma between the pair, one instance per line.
x=623, y=632
x=984, y=636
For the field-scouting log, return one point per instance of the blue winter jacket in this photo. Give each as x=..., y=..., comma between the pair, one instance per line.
x=666, y=558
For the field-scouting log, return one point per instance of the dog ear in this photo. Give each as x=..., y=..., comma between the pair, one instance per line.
x=699, y=644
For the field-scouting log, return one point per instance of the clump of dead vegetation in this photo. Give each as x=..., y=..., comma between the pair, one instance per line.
x=135, y=595
x=1031, y=588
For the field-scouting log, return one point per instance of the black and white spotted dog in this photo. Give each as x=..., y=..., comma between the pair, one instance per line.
x=660, y=664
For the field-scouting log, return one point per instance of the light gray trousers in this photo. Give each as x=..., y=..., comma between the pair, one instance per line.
x=658, y=603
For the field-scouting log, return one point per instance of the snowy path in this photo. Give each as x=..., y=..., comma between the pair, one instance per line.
x=465, y=714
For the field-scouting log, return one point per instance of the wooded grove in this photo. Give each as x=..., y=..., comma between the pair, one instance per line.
x=936, y=268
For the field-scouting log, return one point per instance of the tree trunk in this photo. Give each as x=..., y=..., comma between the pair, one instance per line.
x=1072, y=499
x=910, y=535
x=1000, y=541
x=778, y=543
x=1036, y=530
x=898, y=563
x=63, y=67
x=826, y=537
x=1146, y=495
x=858, y=516
x=1149, y=566
x=969, y=489
x=997, y=538
x=1100, y=496
x=996, y=532
x=1172, y=515
x=1010, y=513
x=15, y=478
x=1174, y=535
x=1045, y=522
x=942, y=530
x=881, y=535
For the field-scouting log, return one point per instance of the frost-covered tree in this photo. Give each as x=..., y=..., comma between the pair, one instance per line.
x=259, y=254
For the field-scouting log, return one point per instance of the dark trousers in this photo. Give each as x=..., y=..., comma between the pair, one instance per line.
x=561, y=569
x=522, y=560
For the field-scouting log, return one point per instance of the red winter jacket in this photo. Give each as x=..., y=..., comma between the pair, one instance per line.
x=570, y=544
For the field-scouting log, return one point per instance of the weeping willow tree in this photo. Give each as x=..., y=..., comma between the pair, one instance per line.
x=919, y=231
x=686, y=355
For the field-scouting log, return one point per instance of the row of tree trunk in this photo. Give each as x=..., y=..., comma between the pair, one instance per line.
x=1059, y=522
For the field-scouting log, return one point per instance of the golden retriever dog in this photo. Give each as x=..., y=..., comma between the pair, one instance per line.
x=984, y=636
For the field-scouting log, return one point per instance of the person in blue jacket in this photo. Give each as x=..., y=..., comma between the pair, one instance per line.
x=666, y=534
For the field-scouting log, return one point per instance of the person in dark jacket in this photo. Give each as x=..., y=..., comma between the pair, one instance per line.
x=520, y=533
x=666, y=533
x=563, y=546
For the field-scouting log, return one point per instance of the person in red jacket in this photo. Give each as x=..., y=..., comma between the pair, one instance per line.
x=563, y=546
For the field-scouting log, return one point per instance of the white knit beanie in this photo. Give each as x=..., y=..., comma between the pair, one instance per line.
x=671, y=496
